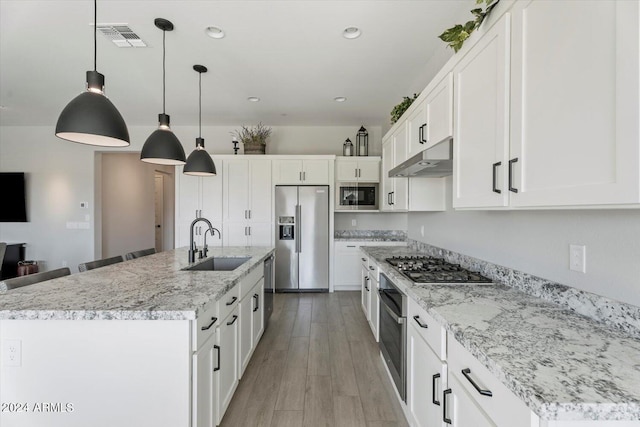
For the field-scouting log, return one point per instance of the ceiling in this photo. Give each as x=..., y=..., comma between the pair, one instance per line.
x=290, y=54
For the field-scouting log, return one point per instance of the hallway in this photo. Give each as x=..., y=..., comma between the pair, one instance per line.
x=316, y=365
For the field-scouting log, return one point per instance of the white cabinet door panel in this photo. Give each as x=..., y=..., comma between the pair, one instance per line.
x=346, y=170
x=236, y=184
x=439, y=112
x=482, y=121
x=287, y=171
x=261, y=189
x=369, y=171
x=260, y=234
x=416, y=123
x=575, y=103
x=315, y=171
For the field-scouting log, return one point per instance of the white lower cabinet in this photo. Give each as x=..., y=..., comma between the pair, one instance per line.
x=251, y=320
x=228, y=373
x=426, y=380
x=205, y=366
x=374, y=302
x=426, y=367
x=365, y=292
x=477, y=398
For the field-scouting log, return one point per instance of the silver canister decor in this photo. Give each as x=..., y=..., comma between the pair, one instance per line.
x=347, y=148
x=362, y=142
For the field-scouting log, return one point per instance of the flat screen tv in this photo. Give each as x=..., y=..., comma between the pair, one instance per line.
x=13, y=207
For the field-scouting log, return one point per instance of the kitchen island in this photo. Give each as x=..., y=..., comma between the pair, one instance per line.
x=128, y=344
x=568, y=369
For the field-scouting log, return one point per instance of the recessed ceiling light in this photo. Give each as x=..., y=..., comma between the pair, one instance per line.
x=214, y=32
x=351, y=33
x=253, y=99
x=339, y=99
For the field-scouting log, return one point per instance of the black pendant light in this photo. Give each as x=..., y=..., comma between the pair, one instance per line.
x=90, y=118
x=200, y=162
x=163, y=147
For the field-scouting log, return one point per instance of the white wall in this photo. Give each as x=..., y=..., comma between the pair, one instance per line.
x=128, y=208
x=60, y=175
x=370, y=221
x=537, y=242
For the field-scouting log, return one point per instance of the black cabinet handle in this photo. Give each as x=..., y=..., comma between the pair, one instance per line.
x=213, y=320
x=257, y=297
x=419, y=322
x=466, y=372
x=363, y=259
x=233, y=320
x=217, y=368
x=495, y=177
x=511, y=162
x=393, y=197
x=389, y=198
x=433, y=390
x=444, y=406
x=421, y=133
x=234, y=299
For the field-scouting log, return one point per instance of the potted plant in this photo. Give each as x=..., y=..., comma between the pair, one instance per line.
x=399, y=109
x=254, y=138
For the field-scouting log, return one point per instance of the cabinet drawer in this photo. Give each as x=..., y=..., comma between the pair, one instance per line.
x=206, y=324
x=432, y=332
x=249, y=281
x=228, y=302
x=503, y=407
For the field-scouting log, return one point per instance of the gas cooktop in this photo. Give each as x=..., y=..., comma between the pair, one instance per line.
x=426, y=270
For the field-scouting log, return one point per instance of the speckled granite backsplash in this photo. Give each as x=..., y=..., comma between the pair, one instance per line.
x=625, y=317
x=389, y=235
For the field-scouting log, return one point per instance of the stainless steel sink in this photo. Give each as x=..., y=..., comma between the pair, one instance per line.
x=219, y=264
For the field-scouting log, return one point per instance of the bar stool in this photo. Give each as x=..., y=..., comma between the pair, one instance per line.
x=18, y=282
x=141, y=253
x=86, y=266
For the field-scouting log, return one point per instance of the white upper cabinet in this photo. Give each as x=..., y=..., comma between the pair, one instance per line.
x=481, y=130
x=358, y=169
x=574, y=103
x=431, y=120
x=550, y=118
x=301, y=171
x=394, y=194
x=247, y=190
x=400, y=138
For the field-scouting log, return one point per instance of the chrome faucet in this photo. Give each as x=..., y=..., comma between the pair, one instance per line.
x=192, y=245
x=205, y=248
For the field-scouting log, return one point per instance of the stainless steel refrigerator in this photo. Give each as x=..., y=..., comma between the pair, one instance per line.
x=302, y=238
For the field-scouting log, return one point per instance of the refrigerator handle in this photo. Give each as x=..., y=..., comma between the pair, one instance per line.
x=298, y=219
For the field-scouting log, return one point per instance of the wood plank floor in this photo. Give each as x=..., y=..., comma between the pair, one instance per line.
x=316, y=365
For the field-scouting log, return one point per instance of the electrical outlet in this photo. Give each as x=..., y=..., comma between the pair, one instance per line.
x=84, y=205
x=578, y=258
x=354, y=222
x=11, y=353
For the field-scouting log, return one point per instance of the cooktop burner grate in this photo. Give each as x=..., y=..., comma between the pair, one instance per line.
x=425, y=270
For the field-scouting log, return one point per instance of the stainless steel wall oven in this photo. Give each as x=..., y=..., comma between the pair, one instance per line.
x=393, y=332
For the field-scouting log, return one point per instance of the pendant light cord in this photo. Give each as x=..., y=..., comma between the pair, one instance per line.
x=200, y=105
x=164, y=72
x=95, y=31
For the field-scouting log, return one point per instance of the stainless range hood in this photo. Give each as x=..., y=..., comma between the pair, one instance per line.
x=435, y=162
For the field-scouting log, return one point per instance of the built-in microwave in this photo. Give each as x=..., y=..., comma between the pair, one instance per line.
x=356, y=196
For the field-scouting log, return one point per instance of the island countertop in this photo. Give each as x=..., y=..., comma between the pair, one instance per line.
x=563, y=365
x=153, y=287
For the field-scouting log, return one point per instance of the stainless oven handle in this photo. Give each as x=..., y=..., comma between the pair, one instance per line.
x=399, y=320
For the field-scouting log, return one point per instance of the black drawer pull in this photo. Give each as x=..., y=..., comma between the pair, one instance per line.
x=217, y=368
x=422, y=129
x=257, y=297
x=433, y=390
x=511, y=188
x=364, y=259
x=466, y=372
x=444, y=406
x=213, y=320
x=234, y=299
x=495, y=177
x=419, y=322
x=233, y=321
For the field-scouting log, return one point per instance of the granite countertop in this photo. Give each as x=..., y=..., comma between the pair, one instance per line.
x=370, y=236
x=563, y=365
x=153, y=287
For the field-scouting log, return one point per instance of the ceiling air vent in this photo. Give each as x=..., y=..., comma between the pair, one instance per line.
x=121, y=35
